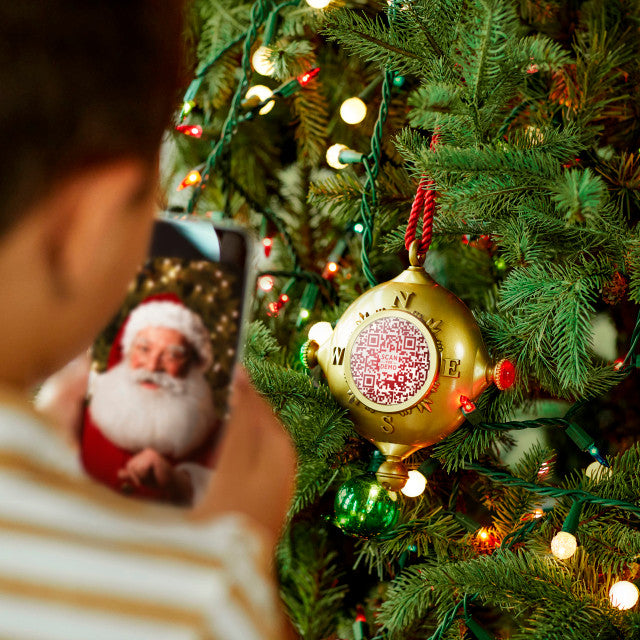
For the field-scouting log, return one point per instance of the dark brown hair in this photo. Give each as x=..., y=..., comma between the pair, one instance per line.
x=81, y=82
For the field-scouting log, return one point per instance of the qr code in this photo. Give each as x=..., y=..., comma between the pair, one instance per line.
x=390, y=361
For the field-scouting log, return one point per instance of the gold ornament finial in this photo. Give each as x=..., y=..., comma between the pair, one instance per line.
x=415, y=259
x=392, y=474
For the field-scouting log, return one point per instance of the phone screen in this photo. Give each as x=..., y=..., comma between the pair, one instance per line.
x=158, y=392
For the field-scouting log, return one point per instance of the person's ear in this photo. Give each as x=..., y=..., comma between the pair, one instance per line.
x=95, y=211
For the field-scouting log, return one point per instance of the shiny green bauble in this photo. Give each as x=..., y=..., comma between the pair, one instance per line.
x=364, y=508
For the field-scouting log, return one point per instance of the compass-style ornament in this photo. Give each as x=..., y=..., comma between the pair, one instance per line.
x=404, y=358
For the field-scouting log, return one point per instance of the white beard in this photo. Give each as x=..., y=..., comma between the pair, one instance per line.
x=173, y=419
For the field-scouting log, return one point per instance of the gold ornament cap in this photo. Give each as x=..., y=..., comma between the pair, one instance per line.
x=392, y=474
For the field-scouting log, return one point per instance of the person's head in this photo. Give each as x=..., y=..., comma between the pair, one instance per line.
x=158, y=349
x=155, y=392
x=162, y=336
x=87, y=90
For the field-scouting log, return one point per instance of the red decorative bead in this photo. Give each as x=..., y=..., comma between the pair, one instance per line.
x=504, y=374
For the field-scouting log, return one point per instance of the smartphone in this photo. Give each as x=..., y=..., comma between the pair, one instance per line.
x=158, y=392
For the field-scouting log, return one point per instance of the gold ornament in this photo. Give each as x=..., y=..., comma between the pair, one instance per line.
x=403, y=359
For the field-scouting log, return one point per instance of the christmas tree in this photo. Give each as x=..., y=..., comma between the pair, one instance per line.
x=500, y=139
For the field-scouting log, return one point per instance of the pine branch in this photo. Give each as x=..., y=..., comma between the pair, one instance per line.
x=310, y=581
x=318, y=426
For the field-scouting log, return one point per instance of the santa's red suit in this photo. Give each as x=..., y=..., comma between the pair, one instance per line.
x=124, y=418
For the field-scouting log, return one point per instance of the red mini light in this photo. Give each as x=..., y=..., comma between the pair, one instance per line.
x=466, y=405
x=284, y=298
x=504, y=374
x=273, y=309
x=307, y=77
x=267, y=243
x=330, y=270
x=192, y=178
x=193, y=130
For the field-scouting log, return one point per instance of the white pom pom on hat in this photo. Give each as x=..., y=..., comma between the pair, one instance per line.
x=169, y=314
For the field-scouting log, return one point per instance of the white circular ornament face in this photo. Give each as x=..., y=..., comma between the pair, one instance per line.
x=392, y=361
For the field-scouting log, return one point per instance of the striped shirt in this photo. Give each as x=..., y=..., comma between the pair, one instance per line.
x=78, y=562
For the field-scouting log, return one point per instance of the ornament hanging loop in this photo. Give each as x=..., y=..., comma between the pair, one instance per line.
x=415, y=259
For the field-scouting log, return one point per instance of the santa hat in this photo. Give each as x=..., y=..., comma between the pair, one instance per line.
x=168, y=312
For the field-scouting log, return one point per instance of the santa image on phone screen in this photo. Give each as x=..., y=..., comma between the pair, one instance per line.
x=150, y=423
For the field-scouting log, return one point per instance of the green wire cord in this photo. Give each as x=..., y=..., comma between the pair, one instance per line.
x=231, y=122
x=504, y=478
x=258, y=18
x=371, y=164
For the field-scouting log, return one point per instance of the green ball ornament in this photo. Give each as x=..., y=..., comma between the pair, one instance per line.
x=364, y=508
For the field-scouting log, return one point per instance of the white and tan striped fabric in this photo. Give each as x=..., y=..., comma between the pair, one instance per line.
x=78, y=562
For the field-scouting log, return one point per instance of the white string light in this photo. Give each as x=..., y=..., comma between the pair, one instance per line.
x=261, y=63
x=353, y=110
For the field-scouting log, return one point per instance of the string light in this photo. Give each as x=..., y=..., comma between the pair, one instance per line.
x=415, y=485
x=273, y=308
x=564, y=543
x=260, y=94
x=358, y=227
x=544, y=469
x=266, y=283
x=339, y=156
x=187, y=107
x=353, y=110
x=466, y=405
x=320, y=332
x=330, y=269
x=192, y=178
x=597, y=472
x=307, y=303
x=261, y=62
x=305, y=78
x=486, y=539
x=318, y=4
x=333, y=156
x=585, y=442
x=623, y=595
x=267, y=244
x=192, y=130
x=483, y=534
